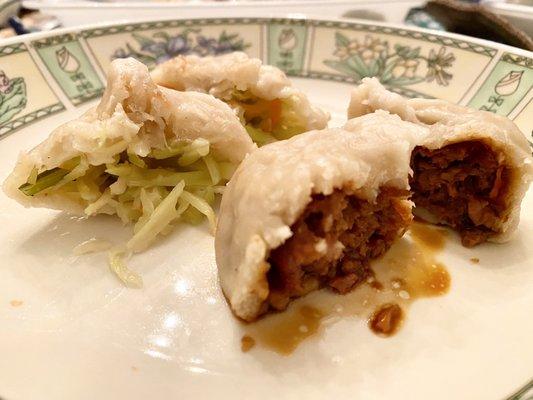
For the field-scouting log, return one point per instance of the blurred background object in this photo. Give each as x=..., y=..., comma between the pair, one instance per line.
x=477, y=21
x=504, y=21
x=27, y=21
x=518, y=12
x=8, y=9
x=73, y=13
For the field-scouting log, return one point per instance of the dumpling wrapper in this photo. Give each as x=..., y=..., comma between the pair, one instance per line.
x=450, y=123
x=136, y=115
x=220, y=75
x=273, y=185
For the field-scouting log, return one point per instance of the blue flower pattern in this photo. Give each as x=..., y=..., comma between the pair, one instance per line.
x=161, y=46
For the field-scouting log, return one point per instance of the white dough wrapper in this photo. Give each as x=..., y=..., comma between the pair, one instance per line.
x=450, y=123
x=274, y=184
x=219, y=75
x=136, y=115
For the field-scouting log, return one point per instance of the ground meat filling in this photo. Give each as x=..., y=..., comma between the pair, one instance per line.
x=334, y=239
x=464, y=186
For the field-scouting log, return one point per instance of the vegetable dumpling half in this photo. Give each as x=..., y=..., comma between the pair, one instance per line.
x=313, y=211
x=146, y=153
x=270, y=108
x=470, y=173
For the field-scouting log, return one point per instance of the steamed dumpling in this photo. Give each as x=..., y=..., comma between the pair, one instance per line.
x=312, y=211
x=143, y=146
x=270, y=108
x=471, y=172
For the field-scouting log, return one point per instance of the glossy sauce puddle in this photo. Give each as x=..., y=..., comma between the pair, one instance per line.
x=408, y=271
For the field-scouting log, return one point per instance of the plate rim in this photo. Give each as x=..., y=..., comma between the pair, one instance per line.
x=285, y=17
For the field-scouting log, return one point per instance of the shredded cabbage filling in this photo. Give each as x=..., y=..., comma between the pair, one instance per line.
x=267, y=121
x=166, y=186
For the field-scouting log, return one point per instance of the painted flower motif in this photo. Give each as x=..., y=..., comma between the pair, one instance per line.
x=12, y=97
x=509, y=83
x=287, y=40
x=405, y=68
x=165, y=50
x=371, y=48
x=205, y=46
x=5, y=83
x=66, y=60
x=395, y=65
x=210, y=46
x=437, y=64
x=160, y=46
x=343, y=52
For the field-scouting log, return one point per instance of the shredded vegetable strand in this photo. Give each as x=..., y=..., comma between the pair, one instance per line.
x=197, y=149
x=226, y=170
x=202, y=206
x=136, y=160
x=163, y=214
x=178, y=182
x=89, y=191
x=212, y=167
x=146, y=202
x=161, y=154
x=92, y=245
x=120, y=269
x=259, y=136
x=93, y=208
x=81, y=167
x=32, y=179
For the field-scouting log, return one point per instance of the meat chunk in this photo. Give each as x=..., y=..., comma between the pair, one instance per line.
x=333, y=241
x=464, y=186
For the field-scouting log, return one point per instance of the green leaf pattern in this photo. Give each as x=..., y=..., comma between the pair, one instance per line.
x=399, y=66
x=12, y=99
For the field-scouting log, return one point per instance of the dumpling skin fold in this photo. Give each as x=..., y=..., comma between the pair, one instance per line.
x=136, y=115
x=219, y=75
x=273, y=185
x=450, y=123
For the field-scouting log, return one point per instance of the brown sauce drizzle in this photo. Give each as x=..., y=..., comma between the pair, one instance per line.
x=16, y=303
x=406, y=272
x=428, y=236
x=247, y=343
x=283, y=332
x=386, y=320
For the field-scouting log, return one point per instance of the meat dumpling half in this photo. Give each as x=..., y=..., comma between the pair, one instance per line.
x=471, y=172
x=312, y=211
x=141, y=153
x=270, y=108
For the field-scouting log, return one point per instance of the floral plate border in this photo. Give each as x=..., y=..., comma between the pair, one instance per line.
x=71, y=64
x=409, y=61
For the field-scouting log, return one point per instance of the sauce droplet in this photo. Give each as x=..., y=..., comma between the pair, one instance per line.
x=431, y=238
x=375, y=284
x=386, y=320
x=16, y=303
x=284, y=332
x=428, y=281
x=247, y=343
x=474, y=260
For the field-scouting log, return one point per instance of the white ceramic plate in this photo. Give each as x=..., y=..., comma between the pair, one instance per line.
x=69, y=330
